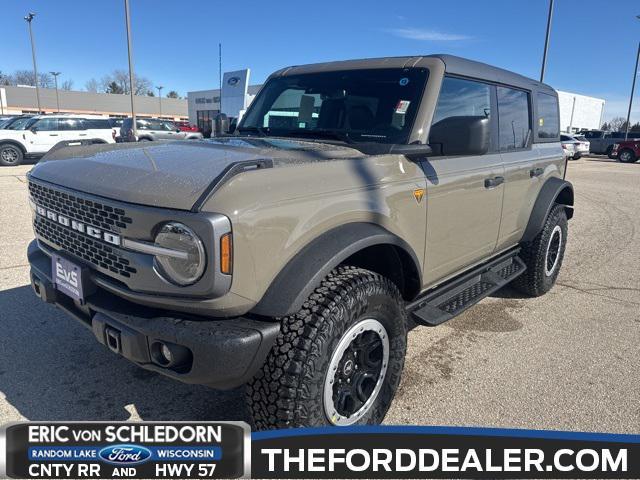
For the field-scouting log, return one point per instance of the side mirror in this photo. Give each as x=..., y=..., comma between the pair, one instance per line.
x=462, y=135
x=178, y=130
x=33, y=129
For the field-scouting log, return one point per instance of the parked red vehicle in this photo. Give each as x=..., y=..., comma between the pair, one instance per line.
x=627, y=151
x=186, y=127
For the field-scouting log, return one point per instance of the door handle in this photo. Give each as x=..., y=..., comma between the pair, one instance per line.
x=53, y=134
x=493, y=182
x=536, y=172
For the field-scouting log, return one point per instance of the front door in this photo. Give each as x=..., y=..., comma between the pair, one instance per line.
x=43, y=135
x=464, y=193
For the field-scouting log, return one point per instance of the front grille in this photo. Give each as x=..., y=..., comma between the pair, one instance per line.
x=89, y=250
x=74, y=206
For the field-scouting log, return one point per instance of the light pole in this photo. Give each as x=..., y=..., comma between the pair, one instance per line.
x=131, y=79
x=633, y=87
x=160, y=97
x=55, y=79
x=29, y=19
x=546, y=41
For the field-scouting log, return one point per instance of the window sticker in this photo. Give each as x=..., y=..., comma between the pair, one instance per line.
x=404, y=81
x=402, y=106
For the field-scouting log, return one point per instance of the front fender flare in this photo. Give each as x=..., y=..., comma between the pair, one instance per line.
x=555, y=190
x=304, y=273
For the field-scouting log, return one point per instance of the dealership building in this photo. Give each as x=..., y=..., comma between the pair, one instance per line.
x=579, y=112
x=23, y=99
x=236, y=96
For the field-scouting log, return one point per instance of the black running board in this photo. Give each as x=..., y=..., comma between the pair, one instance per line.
x=454, y=297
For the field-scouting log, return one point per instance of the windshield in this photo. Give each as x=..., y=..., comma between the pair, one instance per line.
x=376, y=105
x=21, y=123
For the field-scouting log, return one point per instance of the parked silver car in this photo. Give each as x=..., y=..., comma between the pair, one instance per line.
x=573, y=146
x=152, y=129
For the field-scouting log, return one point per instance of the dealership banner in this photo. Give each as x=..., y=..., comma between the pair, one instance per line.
x=125, y=450
x=228, y=450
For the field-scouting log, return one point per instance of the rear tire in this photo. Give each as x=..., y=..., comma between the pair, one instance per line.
x=544, y=254
x=627, y=156
x=10, y=155
x=609, y=151
x=338, y=361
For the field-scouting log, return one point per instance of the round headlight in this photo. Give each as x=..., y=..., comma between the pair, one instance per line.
x=185, y=265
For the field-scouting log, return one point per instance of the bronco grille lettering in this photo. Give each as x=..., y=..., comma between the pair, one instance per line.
x=80, y=227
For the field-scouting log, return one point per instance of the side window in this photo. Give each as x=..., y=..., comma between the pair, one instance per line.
x=70, y=124
x=462, y=98
x=458, y=99
x=513, y=115
x=47, y=124
x=548, y=116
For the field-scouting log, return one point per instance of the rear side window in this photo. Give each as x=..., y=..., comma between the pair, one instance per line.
x=548, y=117
x=513, y=116
x=590, y=134
x=67, y=124
x=97, y=123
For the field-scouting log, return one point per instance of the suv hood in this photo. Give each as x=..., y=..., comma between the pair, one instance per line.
x=172, y=174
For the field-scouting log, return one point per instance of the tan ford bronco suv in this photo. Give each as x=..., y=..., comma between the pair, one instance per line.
x=356, y=200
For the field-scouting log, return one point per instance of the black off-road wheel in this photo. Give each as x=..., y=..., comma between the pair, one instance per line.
x=543, y=256
x=10, y=155
x=337, y=361
x=627, y=156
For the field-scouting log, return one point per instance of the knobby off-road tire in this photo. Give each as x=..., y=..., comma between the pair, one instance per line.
x=289, y=389
x=543, y=256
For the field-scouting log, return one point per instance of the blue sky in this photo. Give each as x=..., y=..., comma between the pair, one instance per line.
x=592, y=51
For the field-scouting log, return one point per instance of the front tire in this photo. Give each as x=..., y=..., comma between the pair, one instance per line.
x=627, y=156
x=543, y=256
x=10, y=155
x=338, y=361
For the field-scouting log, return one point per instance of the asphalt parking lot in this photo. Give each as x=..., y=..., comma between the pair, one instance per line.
x=569, y=360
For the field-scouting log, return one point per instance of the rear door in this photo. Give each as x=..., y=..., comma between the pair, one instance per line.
x=522, y=163
x=72, y=129
x=464, y=193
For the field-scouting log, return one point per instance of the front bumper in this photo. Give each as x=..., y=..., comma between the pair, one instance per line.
x=219, y=353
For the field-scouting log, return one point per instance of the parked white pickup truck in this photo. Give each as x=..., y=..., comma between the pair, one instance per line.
x=42, y=132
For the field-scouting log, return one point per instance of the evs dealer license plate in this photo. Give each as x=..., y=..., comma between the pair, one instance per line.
x=67, y=277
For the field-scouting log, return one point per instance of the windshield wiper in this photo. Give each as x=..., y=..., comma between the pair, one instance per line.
x=259, y=130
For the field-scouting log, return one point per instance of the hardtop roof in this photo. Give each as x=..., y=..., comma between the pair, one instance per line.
x=453, y=65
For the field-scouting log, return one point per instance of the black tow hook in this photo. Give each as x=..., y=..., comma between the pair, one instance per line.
x=113, y=339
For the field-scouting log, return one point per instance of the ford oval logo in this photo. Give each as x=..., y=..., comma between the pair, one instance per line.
x=125, y=454
x=233, y=81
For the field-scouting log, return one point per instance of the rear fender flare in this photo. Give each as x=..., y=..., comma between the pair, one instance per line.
x=555, y=190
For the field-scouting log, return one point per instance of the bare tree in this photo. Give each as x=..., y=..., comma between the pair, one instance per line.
x=617, y=124
x=121, y=78
x=67, y=85
x=92, y=85
x=26, y=77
